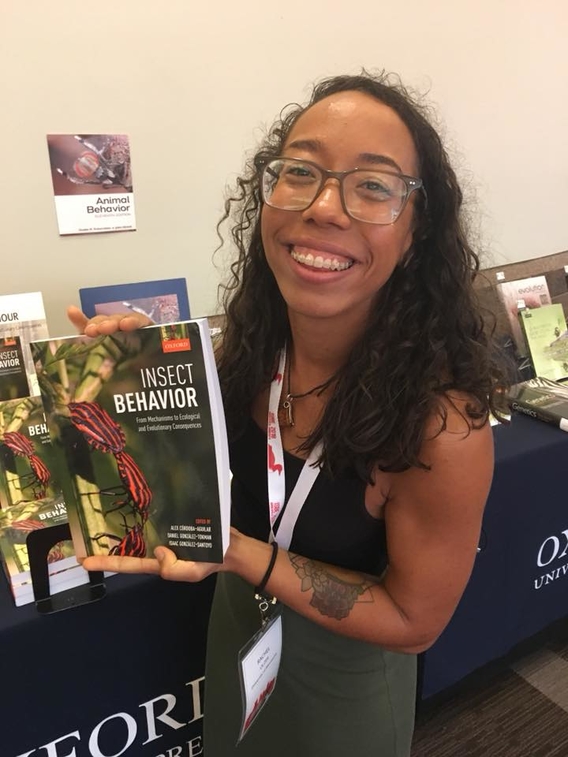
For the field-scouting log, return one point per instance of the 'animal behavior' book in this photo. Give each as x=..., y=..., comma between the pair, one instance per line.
x=139, y=440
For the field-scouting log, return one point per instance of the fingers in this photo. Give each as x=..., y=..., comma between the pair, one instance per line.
x=174, y=569
x=77, y=318
x=103, y=325
x=133, y=321
x=165, y=564
x=117, y=564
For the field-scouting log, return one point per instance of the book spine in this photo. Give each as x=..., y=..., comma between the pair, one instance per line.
x=540, y=413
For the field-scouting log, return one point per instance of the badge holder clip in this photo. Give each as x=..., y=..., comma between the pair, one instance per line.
x=266, y=607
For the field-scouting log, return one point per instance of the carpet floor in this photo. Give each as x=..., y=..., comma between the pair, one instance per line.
x=517, y=707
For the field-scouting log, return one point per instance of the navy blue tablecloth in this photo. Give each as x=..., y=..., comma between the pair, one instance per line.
x=119, y=676
x=519, y=583
x=124, y=675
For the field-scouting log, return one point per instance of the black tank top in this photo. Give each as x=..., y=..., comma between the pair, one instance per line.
x=334, y=525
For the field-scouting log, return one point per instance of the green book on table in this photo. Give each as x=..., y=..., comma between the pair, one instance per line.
x=547, y=338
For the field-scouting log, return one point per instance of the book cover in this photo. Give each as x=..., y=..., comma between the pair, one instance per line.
x=16, y=523
x=13, y=377
x=541, y=398
x=92, y=182
x=23, y=316
x=163, y=301
x=25, y=462
x=136, y=420
x=547, y=339
x=533, y=292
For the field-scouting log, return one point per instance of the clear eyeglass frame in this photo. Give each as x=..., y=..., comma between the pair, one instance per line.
x=270, y=174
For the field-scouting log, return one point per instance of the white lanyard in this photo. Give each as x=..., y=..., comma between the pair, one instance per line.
x=275, y=468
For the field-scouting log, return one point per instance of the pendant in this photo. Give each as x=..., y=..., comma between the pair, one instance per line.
x=285, y=413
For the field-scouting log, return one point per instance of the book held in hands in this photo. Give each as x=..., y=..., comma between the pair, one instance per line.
x=138, y=433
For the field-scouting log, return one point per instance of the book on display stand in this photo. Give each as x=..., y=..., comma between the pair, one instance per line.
x=547, y=340
x=139, y=440
x=25, y=465
x=532, y=292
x=23, y=316
x=18, y=524
x=13, y=375
x=30, y=502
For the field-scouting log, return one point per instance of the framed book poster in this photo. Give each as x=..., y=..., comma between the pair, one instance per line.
x=163, y=301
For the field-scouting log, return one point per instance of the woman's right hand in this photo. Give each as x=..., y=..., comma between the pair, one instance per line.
x=102, y=325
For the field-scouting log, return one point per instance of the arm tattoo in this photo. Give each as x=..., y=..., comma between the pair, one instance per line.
x=332, y=596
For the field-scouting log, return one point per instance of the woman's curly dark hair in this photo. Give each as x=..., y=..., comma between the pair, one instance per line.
x=424, y=338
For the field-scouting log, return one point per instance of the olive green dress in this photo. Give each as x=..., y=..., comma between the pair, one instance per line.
x=334, y=696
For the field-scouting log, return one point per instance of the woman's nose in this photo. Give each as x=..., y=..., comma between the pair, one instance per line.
x=327, y=207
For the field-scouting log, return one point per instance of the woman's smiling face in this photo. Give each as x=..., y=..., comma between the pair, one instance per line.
x=326, y=263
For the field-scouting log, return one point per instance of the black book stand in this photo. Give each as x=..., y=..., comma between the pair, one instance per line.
x=39, y=544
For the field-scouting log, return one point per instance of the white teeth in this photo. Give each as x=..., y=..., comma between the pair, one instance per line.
x=330, y=264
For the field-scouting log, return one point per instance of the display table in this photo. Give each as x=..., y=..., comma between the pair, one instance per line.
x=519, y=583
x=124, y=675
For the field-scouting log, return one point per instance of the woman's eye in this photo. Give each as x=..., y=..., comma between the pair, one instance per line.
x=372, y=185
x=300, y=171
x=295, y=175
x=375, y=189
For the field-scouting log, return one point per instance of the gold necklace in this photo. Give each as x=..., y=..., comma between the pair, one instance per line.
x=286, y=409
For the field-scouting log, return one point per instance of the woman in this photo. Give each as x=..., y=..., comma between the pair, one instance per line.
x=353, y=338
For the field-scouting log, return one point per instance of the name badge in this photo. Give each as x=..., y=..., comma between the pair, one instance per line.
x=259, y=661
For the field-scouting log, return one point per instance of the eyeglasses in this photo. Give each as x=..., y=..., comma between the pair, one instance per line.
x=370, y=195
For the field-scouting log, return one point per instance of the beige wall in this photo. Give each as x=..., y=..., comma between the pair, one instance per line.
x=192, y=83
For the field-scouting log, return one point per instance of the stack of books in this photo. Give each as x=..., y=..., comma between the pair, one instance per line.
x=30, y=494
x=17, y=524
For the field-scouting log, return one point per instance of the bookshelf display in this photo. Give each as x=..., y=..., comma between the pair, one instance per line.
x=554, y=268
